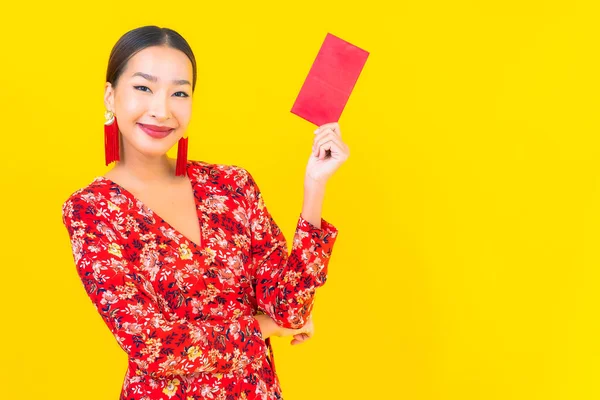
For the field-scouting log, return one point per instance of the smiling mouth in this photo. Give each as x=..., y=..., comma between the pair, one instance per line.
x=156, y=131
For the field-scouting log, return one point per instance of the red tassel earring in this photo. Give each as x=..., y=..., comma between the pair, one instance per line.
x=182, y=149
x=111, y=138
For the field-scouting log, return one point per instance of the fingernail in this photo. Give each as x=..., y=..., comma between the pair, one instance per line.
x=316, y=130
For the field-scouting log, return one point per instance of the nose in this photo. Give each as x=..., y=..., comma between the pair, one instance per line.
x=160, y=108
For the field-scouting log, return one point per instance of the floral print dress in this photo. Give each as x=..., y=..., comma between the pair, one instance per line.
x=184, y=314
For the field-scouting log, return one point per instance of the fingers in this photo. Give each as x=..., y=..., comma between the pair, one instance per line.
x=328, y=148
x=331, y=146
x=300, y=338
x=296, y=332
x=309, y=327
x=304, y=333
x=327, y=132
x=324, y=133
x=328, y=142
x=334, y=126
x=323, y=142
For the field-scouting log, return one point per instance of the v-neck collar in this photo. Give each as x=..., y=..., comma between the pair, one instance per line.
x=136, y=200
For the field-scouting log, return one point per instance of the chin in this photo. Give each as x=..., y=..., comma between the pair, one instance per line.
x=150, y=146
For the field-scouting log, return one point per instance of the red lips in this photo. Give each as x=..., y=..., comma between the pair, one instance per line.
x=155, y=131
x=157, y=128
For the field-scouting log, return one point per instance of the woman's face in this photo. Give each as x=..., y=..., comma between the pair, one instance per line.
x=153, y=90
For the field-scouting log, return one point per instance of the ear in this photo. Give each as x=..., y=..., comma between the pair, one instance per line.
x=109, y=97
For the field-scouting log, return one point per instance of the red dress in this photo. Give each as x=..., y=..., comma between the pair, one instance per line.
x=184, y=314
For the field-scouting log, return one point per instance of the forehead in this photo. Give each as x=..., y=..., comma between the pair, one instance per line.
x=164, y=62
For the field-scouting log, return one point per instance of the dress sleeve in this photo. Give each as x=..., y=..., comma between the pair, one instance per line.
x=129, y=307
x=285, y=284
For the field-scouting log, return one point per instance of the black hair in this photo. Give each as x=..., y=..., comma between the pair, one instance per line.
x=140, y=38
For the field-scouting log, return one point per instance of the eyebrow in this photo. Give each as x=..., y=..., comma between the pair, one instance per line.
x=153, y=78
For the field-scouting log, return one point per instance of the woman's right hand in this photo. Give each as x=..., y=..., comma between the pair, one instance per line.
x=269, y=328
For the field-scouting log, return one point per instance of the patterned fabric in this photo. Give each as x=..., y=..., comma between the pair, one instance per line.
x=184, y=314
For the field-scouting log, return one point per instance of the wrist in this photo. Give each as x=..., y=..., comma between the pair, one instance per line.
x=312, y=205
x=268, y=327
x=314, y=185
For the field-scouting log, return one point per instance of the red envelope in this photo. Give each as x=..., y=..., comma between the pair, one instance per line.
x=330, y=81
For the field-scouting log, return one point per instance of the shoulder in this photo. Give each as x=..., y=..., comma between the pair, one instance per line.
x=229, y=180
x=220, y=174
x=86, y=200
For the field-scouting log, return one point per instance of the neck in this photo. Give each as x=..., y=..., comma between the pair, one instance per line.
x=144, y=169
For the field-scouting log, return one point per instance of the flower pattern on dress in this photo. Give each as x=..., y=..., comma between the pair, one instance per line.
x=184, y=313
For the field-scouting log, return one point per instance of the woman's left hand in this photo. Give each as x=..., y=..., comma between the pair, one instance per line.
x=329, y=153
x=307, y=331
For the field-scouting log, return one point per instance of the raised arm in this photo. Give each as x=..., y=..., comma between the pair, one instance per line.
x=129, y=307
x=285, y=283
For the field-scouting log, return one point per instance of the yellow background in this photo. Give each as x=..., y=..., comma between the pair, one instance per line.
x=467, y=261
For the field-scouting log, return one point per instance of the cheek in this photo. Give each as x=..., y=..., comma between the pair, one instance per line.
x=134, y=106
x=131, y=105
x=183, y=113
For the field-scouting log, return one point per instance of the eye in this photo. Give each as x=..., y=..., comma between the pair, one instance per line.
x=142, y=88
x=183, y=93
